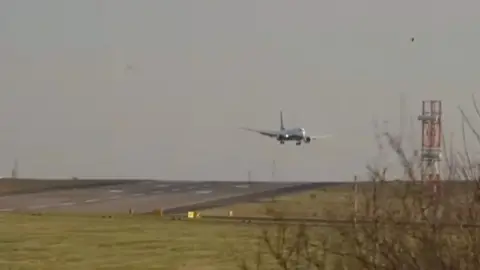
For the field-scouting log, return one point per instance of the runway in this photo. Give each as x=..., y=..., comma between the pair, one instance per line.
x=146, y=196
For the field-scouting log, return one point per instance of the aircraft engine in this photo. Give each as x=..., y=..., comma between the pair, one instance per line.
x=308, y=139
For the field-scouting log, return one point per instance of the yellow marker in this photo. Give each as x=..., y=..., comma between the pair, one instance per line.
x=191, y=214
x=230, y=213
x=159, y=211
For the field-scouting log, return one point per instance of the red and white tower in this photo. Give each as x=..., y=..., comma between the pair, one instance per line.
x=431, y=153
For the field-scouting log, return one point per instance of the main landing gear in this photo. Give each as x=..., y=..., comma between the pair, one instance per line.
x=298, y=143
x=282, y=142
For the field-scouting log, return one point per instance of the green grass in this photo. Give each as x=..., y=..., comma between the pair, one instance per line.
x=137, y=242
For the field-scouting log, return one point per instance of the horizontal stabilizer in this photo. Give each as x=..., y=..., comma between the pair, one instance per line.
x=320, y=137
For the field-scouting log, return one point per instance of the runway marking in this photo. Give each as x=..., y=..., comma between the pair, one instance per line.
x=203, y=191
x=138, y=194
x=158, y=191
x=114, y=197
x=92, y=200
x=37, y=206
x=116, y=191
x=6, y=209
x=242, y=186
x=175, y=189
x=67, y=203
x=162, y=185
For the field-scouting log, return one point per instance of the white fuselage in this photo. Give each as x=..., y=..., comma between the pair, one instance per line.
x=293, y=134
x=283, y=134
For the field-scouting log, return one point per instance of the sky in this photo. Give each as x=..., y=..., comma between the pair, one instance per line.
x=159, y=89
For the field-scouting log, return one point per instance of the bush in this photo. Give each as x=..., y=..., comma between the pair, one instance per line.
x=401, y=224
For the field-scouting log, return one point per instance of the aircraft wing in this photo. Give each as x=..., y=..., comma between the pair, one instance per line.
x=263, y=132
x=320, y=137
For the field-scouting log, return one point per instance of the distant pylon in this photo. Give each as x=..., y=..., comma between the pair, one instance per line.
x=15, y=169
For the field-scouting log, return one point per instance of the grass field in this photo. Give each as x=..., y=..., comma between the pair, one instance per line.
x=137, y=242
x=67, y=241
x=149, y=242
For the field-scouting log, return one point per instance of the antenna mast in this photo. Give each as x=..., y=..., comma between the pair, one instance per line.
x=431, y=153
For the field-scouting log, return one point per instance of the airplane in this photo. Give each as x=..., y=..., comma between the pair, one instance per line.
x=291, y=134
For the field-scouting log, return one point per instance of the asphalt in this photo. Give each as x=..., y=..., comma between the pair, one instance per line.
x=147, y=195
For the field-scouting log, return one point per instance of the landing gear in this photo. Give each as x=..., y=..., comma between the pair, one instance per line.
x=282, y=142
x=298, y=143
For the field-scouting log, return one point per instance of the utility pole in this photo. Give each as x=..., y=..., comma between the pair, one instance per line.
x=402, y=114
x=274, y=169
x=355, y=199
x=249, y=176
x=15, y=169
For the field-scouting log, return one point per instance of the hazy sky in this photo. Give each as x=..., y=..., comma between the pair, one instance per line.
x=71, y=106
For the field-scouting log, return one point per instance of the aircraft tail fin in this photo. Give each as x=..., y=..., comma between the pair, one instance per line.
x=282, y=127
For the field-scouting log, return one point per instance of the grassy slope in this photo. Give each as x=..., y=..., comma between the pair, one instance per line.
x=314, y=203
x=140, y=242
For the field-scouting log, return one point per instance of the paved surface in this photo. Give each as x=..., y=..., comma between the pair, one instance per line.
x=10, y=186
x=142, y=196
